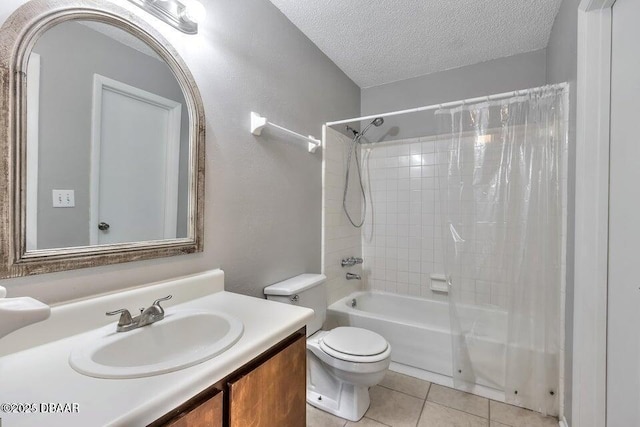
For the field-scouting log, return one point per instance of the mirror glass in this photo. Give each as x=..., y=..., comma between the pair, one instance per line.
x=107, y=158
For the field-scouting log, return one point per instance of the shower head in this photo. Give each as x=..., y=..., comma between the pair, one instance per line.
x=378, y=121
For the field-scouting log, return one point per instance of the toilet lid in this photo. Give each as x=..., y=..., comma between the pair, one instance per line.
x=355, y=341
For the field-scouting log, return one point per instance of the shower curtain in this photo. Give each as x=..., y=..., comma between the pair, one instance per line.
x=501, y=205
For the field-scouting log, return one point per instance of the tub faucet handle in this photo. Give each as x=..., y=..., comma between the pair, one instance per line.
x=351, y=261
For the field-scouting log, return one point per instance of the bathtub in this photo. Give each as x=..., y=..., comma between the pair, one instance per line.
x=419, y=332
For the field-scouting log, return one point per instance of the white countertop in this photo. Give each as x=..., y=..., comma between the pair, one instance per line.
x=41, y=373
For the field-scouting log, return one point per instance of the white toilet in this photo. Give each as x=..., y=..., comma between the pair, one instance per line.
x=341, y=363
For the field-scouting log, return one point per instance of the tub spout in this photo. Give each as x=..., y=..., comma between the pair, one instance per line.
x=352, y=276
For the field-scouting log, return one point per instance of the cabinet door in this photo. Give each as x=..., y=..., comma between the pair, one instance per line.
x=207, y=414
x=274, y=393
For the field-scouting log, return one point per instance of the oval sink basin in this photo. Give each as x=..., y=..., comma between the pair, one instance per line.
x=180, y=340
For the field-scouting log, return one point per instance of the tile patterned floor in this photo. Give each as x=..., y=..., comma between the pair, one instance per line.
x=403, y=401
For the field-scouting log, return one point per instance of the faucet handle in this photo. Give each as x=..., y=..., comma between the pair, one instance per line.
x=125, y=316
x=159, y=300
x=351, y=261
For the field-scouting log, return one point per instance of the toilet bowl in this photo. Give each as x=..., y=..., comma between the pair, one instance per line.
x=342, y=363
x=339, y=375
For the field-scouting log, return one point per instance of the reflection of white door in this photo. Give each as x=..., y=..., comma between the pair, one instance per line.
x=33, y=131
x=134, y=164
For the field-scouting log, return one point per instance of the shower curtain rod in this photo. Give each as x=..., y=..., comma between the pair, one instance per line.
x=452, y=104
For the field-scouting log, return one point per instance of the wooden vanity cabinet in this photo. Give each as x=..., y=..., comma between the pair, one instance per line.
x=269, y=391
x=274, y=393
x=208, y=413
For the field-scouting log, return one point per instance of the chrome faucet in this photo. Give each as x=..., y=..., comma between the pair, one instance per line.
x=351, y=261
x=147, y=316
x=352, y=276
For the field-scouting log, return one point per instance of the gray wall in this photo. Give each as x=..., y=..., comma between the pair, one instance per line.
x=499, y=75
x=66, y=99
x=561, y=67
x=263, y=194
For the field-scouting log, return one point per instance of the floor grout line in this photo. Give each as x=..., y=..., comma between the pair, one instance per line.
x=420, y=414
x=423, y=405
x=379, y=422
x=462, y=410
x=428, y=391
x=406, y=394
x=459, y=410
x=490, y=412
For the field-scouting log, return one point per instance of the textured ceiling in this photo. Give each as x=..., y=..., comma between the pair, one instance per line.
x=381, y=41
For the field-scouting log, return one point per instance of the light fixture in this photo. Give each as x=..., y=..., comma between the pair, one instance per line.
x=194, y=11
x=181, y=14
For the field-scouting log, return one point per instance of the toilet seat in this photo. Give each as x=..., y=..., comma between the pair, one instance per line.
x=355, y=345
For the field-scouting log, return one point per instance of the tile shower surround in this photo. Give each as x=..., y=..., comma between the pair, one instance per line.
x=402, y=239
x=339, y=238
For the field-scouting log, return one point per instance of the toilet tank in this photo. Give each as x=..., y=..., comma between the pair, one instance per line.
x=305, y=290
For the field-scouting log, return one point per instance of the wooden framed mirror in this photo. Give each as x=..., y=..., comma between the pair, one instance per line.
x=102, y=140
